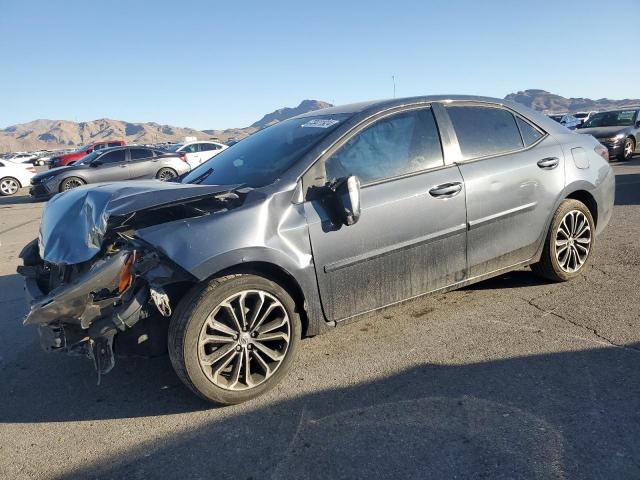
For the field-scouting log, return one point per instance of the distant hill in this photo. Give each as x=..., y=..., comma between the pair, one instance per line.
x=269, y=119
x=551, y=103
x=55, y=134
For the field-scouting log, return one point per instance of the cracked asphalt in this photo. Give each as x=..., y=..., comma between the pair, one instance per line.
x=510, y=378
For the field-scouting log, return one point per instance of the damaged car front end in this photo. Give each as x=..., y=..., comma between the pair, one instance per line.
x=95, y=288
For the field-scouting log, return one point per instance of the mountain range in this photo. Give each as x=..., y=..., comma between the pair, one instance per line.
x=55, y=134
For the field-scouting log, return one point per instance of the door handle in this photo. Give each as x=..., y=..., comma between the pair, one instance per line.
x=549, y=163
x=446, y=190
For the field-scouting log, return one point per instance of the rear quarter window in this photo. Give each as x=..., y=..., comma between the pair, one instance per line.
x=484, y=131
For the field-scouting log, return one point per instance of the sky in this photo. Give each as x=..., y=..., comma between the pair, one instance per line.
x=213, y=64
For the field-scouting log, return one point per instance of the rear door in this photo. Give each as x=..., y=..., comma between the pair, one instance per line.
x=208, y=150
x=513, y=173
x=142, y=163
x=411, y=235
x=192, y=152
x=113, y=166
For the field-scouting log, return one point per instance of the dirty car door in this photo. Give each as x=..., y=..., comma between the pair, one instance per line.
x=411, y=235
x=513, y=173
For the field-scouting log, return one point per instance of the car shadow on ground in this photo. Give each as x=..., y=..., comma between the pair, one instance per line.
x=515, y=279
x=561, y=415
x=18, y=200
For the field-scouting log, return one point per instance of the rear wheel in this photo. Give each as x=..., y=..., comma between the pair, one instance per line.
x=569, y=242
x=234, y=338
x=166, y=174
x=70, y=183
x=628, y=149
x=9, y=186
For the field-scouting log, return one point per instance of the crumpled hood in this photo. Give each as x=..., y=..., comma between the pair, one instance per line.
x=74, y=223
x=602, y=132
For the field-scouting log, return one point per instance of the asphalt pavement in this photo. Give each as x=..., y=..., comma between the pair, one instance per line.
x=513, y=377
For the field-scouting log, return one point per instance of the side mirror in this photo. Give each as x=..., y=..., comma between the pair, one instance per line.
x=347, y=194
x=638, y=124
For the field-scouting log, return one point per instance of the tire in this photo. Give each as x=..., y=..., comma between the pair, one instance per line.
x=628, y=150
x=9, y=186
x=70, y=183
x=563, y=256
x=190, y=329
x=166, y=174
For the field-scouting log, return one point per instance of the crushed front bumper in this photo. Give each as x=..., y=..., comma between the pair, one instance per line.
x=81, y=308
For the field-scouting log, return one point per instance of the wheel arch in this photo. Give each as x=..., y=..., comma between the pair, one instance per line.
x=588, y=199
x=277, y=274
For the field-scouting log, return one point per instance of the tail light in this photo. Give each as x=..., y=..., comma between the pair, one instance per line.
x=183, y=157
x=602, y=151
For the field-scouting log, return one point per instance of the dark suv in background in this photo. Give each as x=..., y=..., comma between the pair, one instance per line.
x=618, y=130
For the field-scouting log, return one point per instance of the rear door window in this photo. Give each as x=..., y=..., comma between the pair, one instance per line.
x=138, y=153
x=204, y=147
x=530, y=134
x=393, y=146
x=484, y=131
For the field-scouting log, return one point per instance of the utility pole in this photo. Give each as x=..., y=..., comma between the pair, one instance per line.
x=393, y=79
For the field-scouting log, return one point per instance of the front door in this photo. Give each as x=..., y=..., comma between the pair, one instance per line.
x=512, y=173
x=411, y=235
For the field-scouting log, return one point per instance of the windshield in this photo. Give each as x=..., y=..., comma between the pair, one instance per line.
x=87, y=158
x=619, y=118
x=261, y=158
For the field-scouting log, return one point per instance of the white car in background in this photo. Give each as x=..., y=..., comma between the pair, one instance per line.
x=197, y=152
x=584, y=116
x=22, y=157
x=14, y=176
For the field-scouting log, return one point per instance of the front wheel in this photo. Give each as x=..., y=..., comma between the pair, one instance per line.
x=234, y=337
x=569, y=243
x=70, y=183
x=628, y=149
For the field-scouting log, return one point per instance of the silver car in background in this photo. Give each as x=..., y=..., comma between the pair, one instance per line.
x=109, y=165
x=308, y=225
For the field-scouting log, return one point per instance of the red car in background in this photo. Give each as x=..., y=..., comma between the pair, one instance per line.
x=69, y=158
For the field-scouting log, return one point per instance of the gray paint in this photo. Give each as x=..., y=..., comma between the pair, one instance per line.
x=407, y=242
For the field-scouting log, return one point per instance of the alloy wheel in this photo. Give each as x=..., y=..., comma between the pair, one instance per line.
x=628, y=148
x=9, y=186
x=244, y=340
x=166, y=175
x=71, y=183
x=573, y=241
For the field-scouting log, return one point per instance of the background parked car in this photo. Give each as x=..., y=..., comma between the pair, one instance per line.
x=584, y=116
x=14, y=176
x=69, y=158
x=21, y=157
x=618, y=130
x=197, y=152
x=567, y=120
x=108, y=165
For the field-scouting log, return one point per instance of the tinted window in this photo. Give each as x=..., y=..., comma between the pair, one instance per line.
x=137, y=153
x=114, y=144
x=484, y=131
x=208, y=146
x=99, y=146
x=618, y=118
x=113, y=156
x=405, y=143
x=261, y=158
x=530, y=135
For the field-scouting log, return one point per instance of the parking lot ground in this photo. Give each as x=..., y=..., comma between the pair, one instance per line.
x=511, y=378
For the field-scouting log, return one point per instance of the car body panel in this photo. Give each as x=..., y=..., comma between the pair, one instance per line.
x=405, y=243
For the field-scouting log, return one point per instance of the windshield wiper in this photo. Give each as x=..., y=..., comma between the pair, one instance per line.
x=202, y=176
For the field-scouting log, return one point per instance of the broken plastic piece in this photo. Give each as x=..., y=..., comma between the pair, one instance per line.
x=161, y=299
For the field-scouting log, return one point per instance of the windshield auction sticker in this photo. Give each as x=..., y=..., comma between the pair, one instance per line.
x=319, y=123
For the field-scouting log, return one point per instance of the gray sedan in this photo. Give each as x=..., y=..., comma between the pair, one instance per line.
x=308, y=225
x=108, y=165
